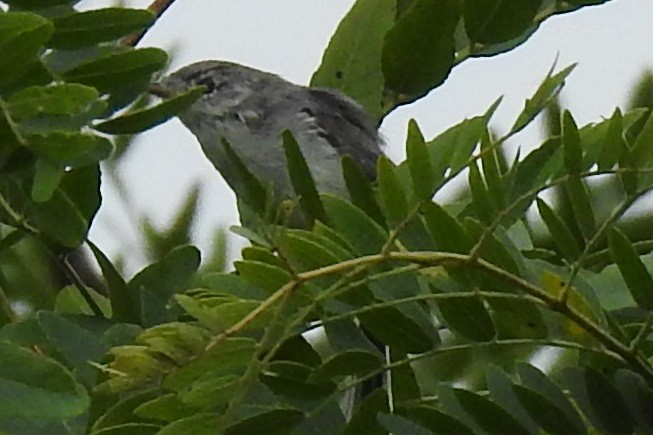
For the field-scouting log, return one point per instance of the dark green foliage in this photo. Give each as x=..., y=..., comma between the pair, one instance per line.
x=387, y=282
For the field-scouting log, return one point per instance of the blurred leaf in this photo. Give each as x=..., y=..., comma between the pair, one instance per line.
x=435, y=420
x=83, y=29
x=581, y=204
x=613, y=143
x=467, y=316
x=360, y=189
x=601, y=402
x=46, y=181
x=253, y=193
x=391, y=192
x=39, y=387
x=514, y=318
x=67, y=215
x=401, y=426
x=638, y=279
x=491, y=417
x=22, y=36
x=494, y=21
x=144, y=119
x=302, y=180
x=484, y=206
x=641, y=150
x=64, y=148
x=571, y=144
x=364, y=419
x=39, y=4
x=272, y=422
x=546, y=413
x=419, y=163
x=365, y=235
x=109, y=73
x=418, y=51
x=547, y=90
x=60, y=99
x=70, y=301
x=533, y=379
x=352, y=61
x=125, y=305
x=562, y=235
x=159, y=281
x=76, y=344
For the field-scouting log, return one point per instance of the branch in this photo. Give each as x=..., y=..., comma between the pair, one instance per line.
x=158, y=7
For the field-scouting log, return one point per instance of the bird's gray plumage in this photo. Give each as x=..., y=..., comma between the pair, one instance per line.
x=251, y=108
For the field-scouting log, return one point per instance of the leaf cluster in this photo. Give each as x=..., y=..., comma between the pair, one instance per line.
x=433, y=296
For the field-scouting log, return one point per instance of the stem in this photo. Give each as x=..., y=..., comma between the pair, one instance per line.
x=158, y=7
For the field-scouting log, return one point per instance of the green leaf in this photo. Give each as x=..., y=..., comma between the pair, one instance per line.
x=67, y=215
x=159, y=281
x=418, y=51
x=364, y=235
x=562, y=235
x=601, y=402
x=273, y=422
x=571, y=144
x=364, y=419
x=481, y=200
x=76, y=344
x=125, y=305
x=166, y=407
x=435, y=420
x=253, y=193
x=500, y=387
x=533, y=379
x=302, y=180
x=491, y=417
x=613, y=143
x=448, y=233
x=46, y=180
x=85, y=29
x=544, y=94
x=347, y=363
x=546, y=413
x=398, y=425
x=396, y=329
x=67, y=148
x=352, y=61
x=581, y=205
x=266, y=276
x=231, y=356
x=419, y=163
x=109, y=73
x=144, y=119
x=122, y=412
x=70, y=301
x=641, y=149
x=360, y=189
x=637, y=277
x=492, y=171
x=467, y=316
x=66, y=99
x=514, y=318
x=494, y=21
x=38, y=4
x=391, y=192
x=39, y=387
x=22, y=36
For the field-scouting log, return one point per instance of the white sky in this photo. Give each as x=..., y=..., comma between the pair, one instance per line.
x=612, y=43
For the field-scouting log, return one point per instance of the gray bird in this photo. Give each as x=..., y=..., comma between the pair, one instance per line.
x=251, y=108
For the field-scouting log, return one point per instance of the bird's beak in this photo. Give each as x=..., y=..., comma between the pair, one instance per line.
x=159, y=90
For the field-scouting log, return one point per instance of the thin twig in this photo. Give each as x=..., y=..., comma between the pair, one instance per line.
x=158, y=7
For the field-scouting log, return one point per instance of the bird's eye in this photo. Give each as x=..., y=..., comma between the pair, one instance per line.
x=211, y=86
x=206, y=81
